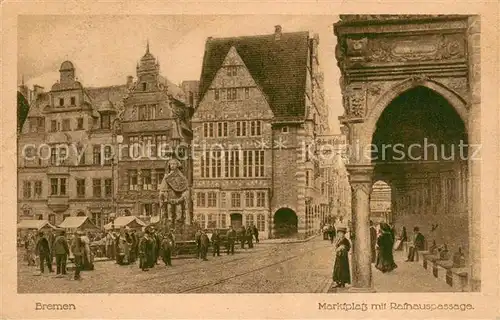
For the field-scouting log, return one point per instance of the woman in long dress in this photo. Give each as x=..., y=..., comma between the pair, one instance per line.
x=341, y=273
x=385, y=243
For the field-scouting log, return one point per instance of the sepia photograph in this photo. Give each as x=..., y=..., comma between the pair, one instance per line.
x=322, y=164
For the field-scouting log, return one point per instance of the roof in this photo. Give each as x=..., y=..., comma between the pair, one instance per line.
x=172, y=89
x=107, y=98
x=278, y=66
x=127, y=221
x=35, y=224
x=67, y=65
x=77, y=223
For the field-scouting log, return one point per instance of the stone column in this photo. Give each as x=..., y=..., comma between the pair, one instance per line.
x=360, y=178
x=474, y=130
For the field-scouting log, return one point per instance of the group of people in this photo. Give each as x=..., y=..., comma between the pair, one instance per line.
x=47, y=246
x=382, y=243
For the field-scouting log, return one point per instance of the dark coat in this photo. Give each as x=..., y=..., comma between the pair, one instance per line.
x=231, y=235
x=60, y=245
x=215, y=238
x=385, y=257
x=42, y=246
x=419, y=241
x=204, y=240
x=341, y=273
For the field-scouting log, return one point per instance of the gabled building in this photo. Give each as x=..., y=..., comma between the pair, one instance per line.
x=64, y=168
x=155, y=127
x=261, y=107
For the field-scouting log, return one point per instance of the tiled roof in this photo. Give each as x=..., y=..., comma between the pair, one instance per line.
x=278, y=66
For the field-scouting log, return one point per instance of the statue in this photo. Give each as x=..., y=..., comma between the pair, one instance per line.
x=174, y=191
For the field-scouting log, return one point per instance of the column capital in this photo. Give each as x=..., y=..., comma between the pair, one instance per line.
x=359, y=173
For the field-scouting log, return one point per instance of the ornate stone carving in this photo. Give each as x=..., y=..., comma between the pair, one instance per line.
x=356, y=47
x=444, y=47
x=381, y=17
x=374, y=89
x=355, y=101
x=361, y=186
x=419, y=78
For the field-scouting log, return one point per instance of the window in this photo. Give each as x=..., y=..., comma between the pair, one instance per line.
x=261, y=222
x=218, y=164
x=27, y=189
x=96, y=188
x=61, y=102
x=149, y=145
x=63, y=154
x=232, y=93
x=249, y=199
x=241, y=128
x=73, y=101
x=216, y=94
x=212, y=222
x=261, y=199
x=97, y=154
x=147, y=112
x=147, y=209
x=96, y=219
x=53, y=156
x=38, y=188
x=201, y=220
x=147, y=184
x=107, y=155
x=232, y=71
x=205, y=170
x=39, y=216
x=212, y=199
x=52, y=219
x=132, y=180
x=66, y=125
x=235, y=200
x=259, y=163
x=208, y=130
x=162, y=145
x=160, y=173
x=222, y=129
x=222, y=221
x=255, y=128
x=247, y=163
x=62, y=186
x=232, y=159
x=247, y=93
x=81, y=154
x=249, y=220
x=134, y=151
x=307, y=179
x=54, y=186
x=200, y=199
x=108, y=188
x=284, y=129
x=105, y=121
x=144, y=86
x=222, y=200
x=53, y=125
x=79, y=124
x=80, y=188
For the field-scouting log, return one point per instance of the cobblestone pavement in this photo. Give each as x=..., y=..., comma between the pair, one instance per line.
x=271, y=268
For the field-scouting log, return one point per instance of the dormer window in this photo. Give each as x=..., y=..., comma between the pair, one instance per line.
x=61, y=102
x=105, y=121
x=73, y=101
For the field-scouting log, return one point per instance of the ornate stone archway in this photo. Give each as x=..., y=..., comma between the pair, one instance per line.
x=381, y=58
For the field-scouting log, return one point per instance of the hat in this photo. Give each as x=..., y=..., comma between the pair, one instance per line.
x=342, y=229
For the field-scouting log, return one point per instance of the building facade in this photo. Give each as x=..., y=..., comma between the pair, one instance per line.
x=259, y=112
x=154, y=127
x=64, y=151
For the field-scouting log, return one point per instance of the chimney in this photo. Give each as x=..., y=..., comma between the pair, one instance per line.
x=277, y=32
x=130, y=81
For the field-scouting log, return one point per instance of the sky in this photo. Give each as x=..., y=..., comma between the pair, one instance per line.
x=105, y=49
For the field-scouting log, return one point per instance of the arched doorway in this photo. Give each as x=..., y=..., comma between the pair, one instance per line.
x=420, y=146
x=236, y=220
x=285, y=223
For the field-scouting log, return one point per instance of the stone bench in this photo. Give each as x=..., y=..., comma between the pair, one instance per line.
x=444, y=270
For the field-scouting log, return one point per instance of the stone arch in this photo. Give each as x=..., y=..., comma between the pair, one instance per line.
x=285, y=221
x=455, y=100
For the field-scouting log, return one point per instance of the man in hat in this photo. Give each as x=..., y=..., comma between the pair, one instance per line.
x=146, y=252
x=197, y=238
x=416, y=245
x=231, y=238
x=43, y=250
x=204, y=243
x=167, y=246
x=216, y=242
x=78, y=249
x=341, y=273
x=61, y=251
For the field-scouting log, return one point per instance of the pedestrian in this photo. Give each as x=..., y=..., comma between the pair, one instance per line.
x=30, y=249
x=78, y=250
x=242, y=237
x=249, y=236
x=87, y=253
x=373, y=242
x=133, y=246
x=197, y=238
x=416, y=245
x=385, y=243
x=255, y=233
x=61, y=252
x=43, y=251
x=167, y=245
x=341, y=273
x=231, y=238
x=215, y=242
x=204, y=243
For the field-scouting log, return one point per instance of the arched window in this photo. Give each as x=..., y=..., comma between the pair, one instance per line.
x=261, y=222
x=249, y=219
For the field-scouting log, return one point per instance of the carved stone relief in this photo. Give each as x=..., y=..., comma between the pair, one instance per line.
x=459, y=85
x=355, y=101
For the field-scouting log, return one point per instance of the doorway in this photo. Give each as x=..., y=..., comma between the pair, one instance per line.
x=236, y=220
